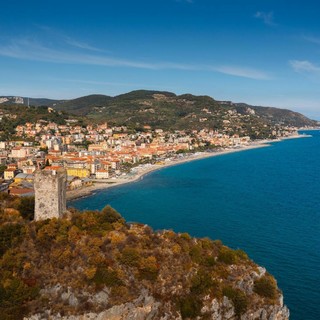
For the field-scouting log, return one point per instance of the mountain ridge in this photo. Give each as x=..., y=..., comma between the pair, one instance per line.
x=162, y=109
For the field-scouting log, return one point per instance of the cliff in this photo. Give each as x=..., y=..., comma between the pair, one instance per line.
x=94, y=265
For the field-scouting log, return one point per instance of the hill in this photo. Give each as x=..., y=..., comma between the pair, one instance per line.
x=82, y=105
x=168, y=111
x=14, y=115
x=96, y=266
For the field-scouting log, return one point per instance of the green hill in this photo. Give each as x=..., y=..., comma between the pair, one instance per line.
x=83, y=105
x=169, y=111
x=166, y=110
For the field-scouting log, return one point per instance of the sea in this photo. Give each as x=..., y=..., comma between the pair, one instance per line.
x=265, y=201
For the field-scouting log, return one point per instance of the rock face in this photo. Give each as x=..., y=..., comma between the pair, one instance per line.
x=50, y=193
x=145, y=307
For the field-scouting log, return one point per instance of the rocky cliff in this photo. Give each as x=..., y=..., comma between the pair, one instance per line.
x=96, y=266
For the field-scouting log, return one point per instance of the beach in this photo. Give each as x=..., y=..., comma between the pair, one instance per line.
x=141, y=171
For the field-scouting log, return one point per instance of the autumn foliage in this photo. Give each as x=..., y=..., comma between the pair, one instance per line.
x=97, y=250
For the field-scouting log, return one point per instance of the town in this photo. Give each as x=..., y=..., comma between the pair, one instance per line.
x=99, y=153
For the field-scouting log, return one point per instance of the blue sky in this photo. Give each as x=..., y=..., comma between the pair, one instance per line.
x=255, y=51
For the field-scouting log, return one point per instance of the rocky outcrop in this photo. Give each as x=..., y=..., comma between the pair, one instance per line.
x=146, y=307
x=94, y=265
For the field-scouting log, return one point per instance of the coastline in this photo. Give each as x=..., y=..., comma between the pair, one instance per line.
x=146, y=169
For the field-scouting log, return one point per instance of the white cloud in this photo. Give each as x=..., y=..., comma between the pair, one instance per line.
x=304, y=66
x=29, y=49
x=243, y=72
x=266, y=17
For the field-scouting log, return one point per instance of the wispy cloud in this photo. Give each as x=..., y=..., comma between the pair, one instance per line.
x=62, y=37
x=81, y=45
x=304, y=66
x=243, y=72
x=266, y=17
x=30, y=49
x=312, y=39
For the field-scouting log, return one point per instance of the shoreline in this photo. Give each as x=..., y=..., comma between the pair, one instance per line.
x=143, y=171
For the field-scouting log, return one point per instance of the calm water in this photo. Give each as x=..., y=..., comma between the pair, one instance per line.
x=265, y=201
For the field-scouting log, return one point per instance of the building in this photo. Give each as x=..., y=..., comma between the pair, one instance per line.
x=78, y=172
x=9, y=174
x=102, y=174
x=50, y=193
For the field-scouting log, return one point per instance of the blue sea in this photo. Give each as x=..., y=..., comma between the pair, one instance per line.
x=265, y=201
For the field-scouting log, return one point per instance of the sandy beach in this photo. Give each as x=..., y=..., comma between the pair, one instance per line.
x=141, y=171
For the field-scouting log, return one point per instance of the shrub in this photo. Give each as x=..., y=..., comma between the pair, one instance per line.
x=209, y=261
x=195, y=254
x=110, y=215
x=201, y=282
x=149, y=268
x=14, y=294
x=190, y=307
x=107, y=276
x=242, y=255
x=130, y=257
x=266, y=286
x=228, y=256
x=10, y=235
x=26, y=207
x=185, y=236
x=207, y=244
x=239, y=299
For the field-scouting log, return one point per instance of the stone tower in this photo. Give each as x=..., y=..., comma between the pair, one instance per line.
x=50, y=193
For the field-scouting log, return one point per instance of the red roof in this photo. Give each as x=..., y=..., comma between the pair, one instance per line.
x=52, y=168
x=20, y=191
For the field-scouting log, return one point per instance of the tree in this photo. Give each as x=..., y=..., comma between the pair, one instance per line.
x=26, y=207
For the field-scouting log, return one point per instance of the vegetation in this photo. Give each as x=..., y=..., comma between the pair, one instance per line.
x=163, y=110
x=266, y=286
x=15, y=115
x=43, y=262
x=239, y=299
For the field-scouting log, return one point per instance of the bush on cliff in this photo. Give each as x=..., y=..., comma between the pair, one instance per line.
x=266, y=286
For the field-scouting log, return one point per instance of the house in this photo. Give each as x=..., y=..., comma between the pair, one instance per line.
x=18, y=152
x=21, y=192
x=102, y=174
x=9, y=174
x=74, y=182
x=78, y=172
x=23, y=177
x=12, y=166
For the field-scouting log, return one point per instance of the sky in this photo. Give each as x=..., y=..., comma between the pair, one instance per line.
x=261, y=52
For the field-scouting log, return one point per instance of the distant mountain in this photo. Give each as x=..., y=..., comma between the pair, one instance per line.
x=276, y=115
x=14, y=100
x=160, y=109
